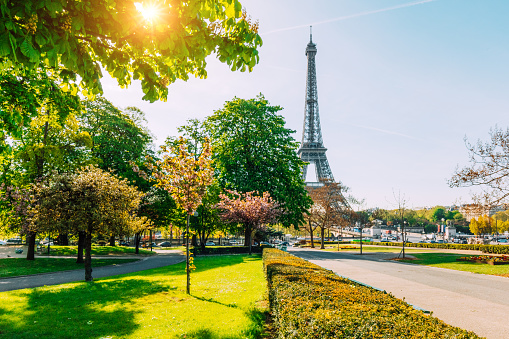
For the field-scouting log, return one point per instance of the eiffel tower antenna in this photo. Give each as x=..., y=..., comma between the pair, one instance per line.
x=312, y=149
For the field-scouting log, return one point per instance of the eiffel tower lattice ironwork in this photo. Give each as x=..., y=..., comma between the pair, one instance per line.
x=312, y=149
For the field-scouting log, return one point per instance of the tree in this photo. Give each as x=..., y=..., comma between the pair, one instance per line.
x=38, y=119
x=437, y=213
x=250, y=210
x=329, y=208
x=208, y=221
x=488, y=168
x=186, y=179
x=253, y=151
x=26, y=94
x=91, y=201
x=119, y=139
x=81, y=36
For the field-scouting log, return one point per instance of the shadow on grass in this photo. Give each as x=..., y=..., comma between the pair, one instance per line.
x=212, y=300
x=87, y=310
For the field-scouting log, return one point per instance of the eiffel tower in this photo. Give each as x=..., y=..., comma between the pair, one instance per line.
x=312, y=149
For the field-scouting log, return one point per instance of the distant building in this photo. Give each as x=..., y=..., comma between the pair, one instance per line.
x=474, y=211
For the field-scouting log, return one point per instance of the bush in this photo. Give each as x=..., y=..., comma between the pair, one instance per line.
x=307, y=301
x=226, y=250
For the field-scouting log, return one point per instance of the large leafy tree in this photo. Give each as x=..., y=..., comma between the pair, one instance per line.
x=92, y=201
x=253, y=151
x=119, y=138
x=84, y=35
x=250, y=210
x=38, y=131
x=330, y=208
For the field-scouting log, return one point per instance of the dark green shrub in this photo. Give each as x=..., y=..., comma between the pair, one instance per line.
x=307, y=301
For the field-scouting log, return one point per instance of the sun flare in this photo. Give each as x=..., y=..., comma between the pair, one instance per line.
x=148, y=11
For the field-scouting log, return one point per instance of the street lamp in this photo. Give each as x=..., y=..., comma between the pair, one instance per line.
x=443, y=230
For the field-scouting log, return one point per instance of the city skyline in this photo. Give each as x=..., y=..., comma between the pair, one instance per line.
x=400, y=84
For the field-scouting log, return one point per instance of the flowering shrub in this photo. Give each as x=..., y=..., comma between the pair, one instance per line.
x=307, y=301
x=495, y=249
x=490, y=259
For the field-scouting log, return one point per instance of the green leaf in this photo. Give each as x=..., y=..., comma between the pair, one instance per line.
x=40, y=39
x=5, y=47
x=230, y=10
x=54, y=6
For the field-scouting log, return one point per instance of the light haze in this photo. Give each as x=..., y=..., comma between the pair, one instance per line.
x=400, y=84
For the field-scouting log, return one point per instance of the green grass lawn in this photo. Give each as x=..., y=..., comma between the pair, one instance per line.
x=367, y=248
x=12, y=267
x=446, y=260
x=227, y=302
x=96, y=250
x=174, y=248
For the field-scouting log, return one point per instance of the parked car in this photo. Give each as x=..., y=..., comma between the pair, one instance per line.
x=14, y=241
x=123, y=243
x=210, y=243
x=385, y=239
x=264, y=243
x=2, y=242
x=164, y=244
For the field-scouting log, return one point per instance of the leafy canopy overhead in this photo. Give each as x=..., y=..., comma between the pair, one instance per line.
x=83, y=36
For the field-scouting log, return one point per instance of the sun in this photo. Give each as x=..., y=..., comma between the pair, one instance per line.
x=150, y=12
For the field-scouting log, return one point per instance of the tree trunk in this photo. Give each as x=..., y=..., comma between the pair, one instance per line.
x=311, y=234
x=112, y=240
x=63, y=239
x=194, y=241
x=137, y=238
x=31, y=245
x=81, y=245
x=88, y=256
x=171, y=236
x=247, y=236
x=188, y=273
x=322, y=234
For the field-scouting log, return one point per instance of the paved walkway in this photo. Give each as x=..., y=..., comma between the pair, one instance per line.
x=476, y=302
x=164, y=258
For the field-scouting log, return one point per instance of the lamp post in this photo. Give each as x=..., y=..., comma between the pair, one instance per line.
x=443, y=230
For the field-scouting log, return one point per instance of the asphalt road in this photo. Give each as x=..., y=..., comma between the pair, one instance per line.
x=163, y=259
x=476, y=302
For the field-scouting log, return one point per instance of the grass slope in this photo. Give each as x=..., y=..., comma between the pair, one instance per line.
x=12, y=267
x=147, y=304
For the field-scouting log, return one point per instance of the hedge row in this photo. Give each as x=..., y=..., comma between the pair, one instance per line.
x=226, y=250
x=498, y=249
x=307, y=301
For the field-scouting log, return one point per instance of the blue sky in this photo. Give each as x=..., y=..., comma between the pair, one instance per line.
x=400, y=84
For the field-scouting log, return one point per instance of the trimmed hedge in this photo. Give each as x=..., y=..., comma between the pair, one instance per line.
x=307, y=301
x=226, y=250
